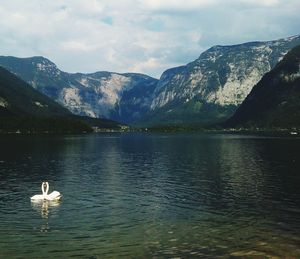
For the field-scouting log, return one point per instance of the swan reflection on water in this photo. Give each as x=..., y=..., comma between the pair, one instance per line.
x=45, y=207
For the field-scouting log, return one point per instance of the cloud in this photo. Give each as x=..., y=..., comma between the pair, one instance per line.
x=146, y=36
x=177, y=5
x=264, y=3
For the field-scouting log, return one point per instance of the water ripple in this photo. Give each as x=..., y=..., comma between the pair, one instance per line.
x=150, y=195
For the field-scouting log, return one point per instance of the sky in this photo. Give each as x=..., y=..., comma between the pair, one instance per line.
x=144, y=36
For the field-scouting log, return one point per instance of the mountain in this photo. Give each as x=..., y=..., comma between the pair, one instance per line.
x=211, y=88
x=275, y=101
x=203, y=92
x=121, y=97
x=18, y=98
x=24, y=108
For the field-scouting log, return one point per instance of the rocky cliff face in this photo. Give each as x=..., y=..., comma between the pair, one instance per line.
x=205, y=91
x=221, y=77
x=17, y=98
x=123, y=97
x=275, y=100
x=26, y=110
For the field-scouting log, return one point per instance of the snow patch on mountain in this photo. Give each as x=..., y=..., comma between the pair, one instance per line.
x=41, y=66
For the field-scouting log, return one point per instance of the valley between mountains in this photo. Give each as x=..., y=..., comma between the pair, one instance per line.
x=205, y=92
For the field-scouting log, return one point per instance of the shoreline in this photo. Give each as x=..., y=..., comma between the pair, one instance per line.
x=258, y=132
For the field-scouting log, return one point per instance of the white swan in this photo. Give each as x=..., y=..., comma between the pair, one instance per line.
x=53, y=196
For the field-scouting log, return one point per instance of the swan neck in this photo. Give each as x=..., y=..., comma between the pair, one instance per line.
x=45, y=188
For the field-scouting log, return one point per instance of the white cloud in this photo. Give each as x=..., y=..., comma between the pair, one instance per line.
x=150, y=64
x=177, y=5
x=145, y=36
x=264, y=3
x=78, y=45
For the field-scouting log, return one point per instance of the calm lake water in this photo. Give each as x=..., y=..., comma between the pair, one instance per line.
x=150, y=195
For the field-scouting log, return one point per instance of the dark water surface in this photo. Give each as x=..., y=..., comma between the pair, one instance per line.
x=151, y=195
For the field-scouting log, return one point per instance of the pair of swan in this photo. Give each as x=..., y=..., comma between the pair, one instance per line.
x=53, y=196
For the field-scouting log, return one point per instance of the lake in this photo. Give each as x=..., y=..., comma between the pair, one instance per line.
x=139, y=195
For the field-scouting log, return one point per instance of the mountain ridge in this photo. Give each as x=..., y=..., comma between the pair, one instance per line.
x=221, y=76
x=24, y=109
x=274, y=101
x=97, y=94
x=207, y=90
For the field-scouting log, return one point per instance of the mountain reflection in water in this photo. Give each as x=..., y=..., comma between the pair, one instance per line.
x=151, y=195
